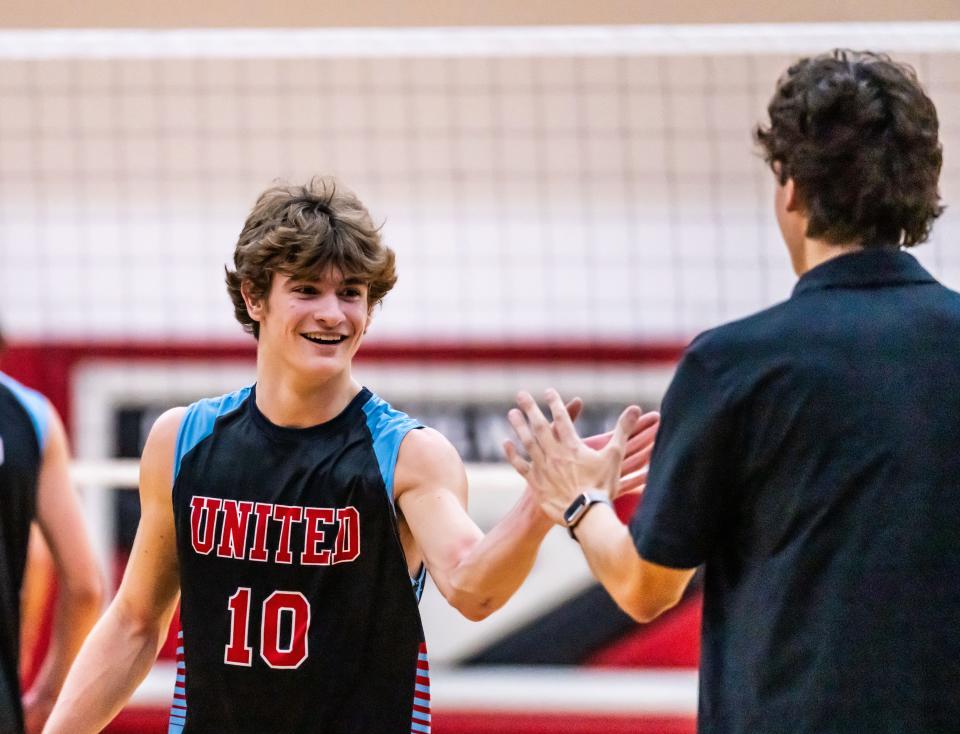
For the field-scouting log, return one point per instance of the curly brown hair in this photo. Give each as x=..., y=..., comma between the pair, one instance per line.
x=301, y=231
x=859, y=137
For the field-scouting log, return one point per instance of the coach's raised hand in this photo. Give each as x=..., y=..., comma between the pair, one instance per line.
x=562, y=466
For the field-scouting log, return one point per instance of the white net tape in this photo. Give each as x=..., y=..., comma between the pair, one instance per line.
x=777, y=38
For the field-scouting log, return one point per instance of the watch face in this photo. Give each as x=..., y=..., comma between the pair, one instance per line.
x=575, y=509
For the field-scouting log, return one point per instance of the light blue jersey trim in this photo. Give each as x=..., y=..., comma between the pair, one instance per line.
x=199, y=419
x=388, y=428
x=178, y=711
x=34, y=403
x=419, y=581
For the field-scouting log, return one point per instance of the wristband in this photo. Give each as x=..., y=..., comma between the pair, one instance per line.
x=580, y=506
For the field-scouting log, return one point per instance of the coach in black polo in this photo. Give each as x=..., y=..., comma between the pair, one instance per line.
x=809, y=455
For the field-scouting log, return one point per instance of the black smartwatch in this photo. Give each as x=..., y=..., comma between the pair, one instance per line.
x=578, y=508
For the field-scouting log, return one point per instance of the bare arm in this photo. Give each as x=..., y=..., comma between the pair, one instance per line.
x=124, y=644
x=561, y=467
x=34, y=596
x=642, y=589
x=476, y=573
x=79, y=587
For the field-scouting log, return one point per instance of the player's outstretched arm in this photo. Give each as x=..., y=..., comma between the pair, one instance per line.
x=561, y=466
x=124, y=644
x=79, y=584
x=476, y=574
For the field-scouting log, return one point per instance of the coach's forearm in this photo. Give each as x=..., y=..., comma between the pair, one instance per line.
x=488, y=575
x=113, y=661
x=610, y=553
x=642, y=589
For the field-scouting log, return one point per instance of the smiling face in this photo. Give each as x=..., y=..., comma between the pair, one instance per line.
x=312, y=327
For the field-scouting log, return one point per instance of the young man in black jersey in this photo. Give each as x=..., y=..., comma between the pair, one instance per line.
x=296, y=518
x=809, y=455
x=35, y=486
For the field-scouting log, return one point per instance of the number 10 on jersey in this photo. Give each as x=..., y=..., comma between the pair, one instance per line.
x=286, y=654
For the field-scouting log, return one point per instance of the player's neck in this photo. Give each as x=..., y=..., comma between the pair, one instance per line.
x=817, y=252
x=292, y=403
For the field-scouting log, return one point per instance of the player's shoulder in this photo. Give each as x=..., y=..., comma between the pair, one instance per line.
x=383, y=420
x=33, y=403
x=167, y=424
x=198, y=416
x=20, y=391
x=409, y=452
x=427, y=460
x=428, y=446
x=214, y=407
x=176, y=431
x=389, y=426
x=156, y=459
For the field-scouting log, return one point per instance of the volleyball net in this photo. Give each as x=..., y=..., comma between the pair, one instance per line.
x=569, y=184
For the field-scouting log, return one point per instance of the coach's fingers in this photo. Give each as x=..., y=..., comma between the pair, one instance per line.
x=625, y=423
x=514, y=459
x=539, y=425
x=574, y=408
x=520, y=426
x=563, y=428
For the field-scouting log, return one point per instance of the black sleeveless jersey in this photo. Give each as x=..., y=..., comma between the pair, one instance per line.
x=24, y=417
x=297, y=610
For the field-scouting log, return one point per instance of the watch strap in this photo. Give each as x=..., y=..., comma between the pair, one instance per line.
x=581, y=506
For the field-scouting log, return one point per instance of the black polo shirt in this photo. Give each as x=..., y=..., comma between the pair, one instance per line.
x=809, y=456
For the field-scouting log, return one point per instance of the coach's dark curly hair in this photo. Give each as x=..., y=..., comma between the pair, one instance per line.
x=859, y=137
x=300, y=231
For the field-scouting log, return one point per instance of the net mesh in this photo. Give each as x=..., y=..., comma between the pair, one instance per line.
x=531, y=190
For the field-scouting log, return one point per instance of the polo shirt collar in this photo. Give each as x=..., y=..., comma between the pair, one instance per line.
x=864, y=269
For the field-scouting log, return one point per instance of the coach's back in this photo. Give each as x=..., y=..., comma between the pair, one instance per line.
x=830, y=535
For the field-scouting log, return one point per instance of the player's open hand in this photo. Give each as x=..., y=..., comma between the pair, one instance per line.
x=561, y=465
x=636, y=458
